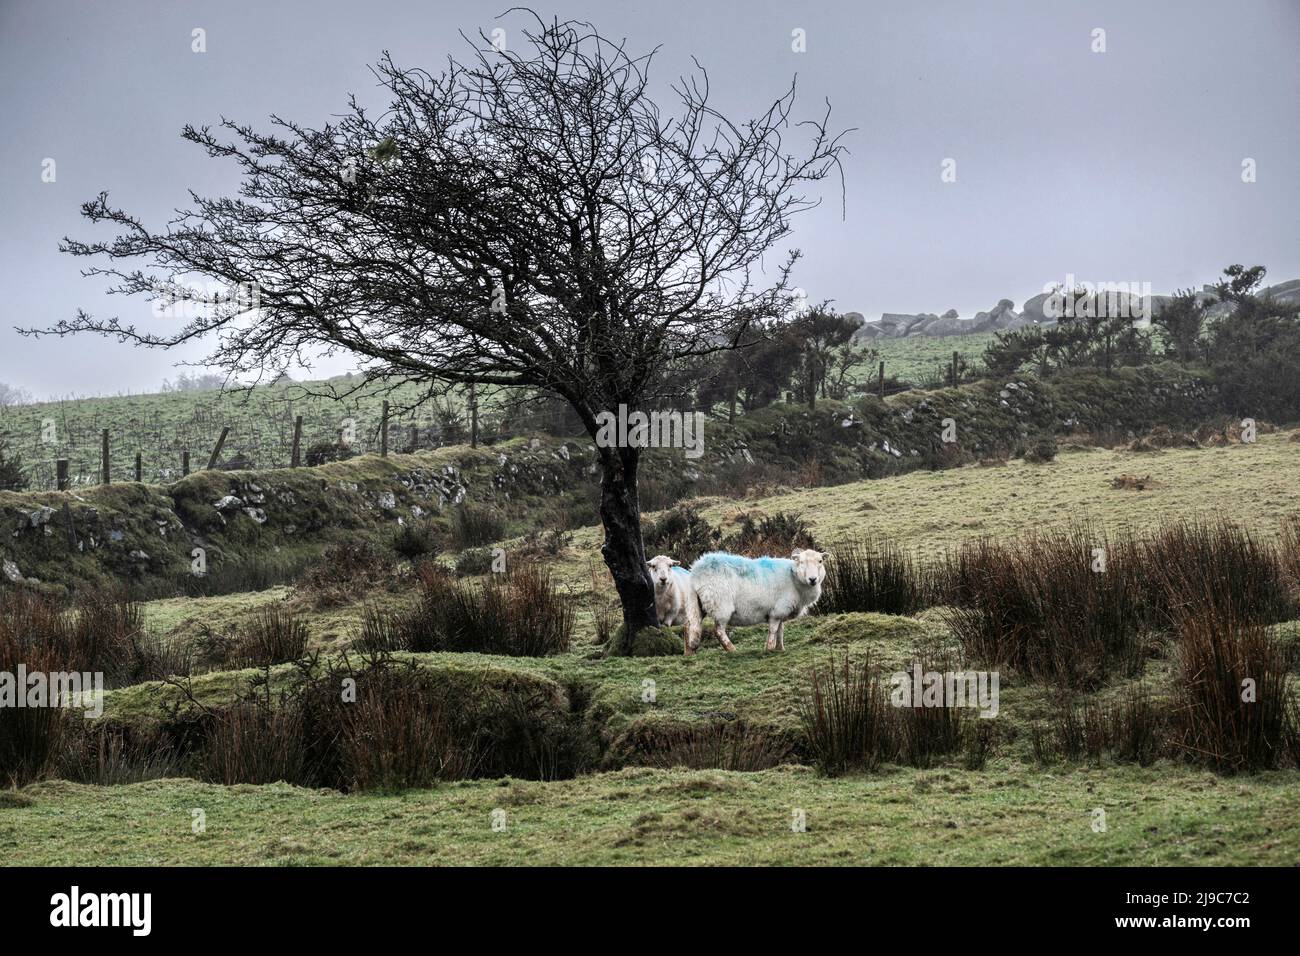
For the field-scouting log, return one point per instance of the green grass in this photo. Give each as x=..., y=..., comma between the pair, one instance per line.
x=1254, y=485
x=749, y=683
x=919, y=358
x=1008, y=814
x=927, y=511
x=162, y=425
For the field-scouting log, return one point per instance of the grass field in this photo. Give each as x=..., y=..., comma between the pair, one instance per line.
x=921, y=358
x=163, y=425
x=1008, y=814
x=1013, y=810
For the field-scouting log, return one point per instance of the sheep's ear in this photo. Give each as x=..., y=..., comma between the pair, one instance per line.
x=795, y=554
x=676, y=563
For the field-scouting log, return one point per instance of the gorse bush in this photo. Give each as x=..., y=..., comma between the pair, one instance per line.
x=682, y=533
x=1041, y=451
x=775, y=535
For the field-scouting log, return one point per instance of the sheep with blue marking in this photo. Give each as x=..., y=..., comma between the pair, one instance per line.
x=675, y=601
x=736, y=590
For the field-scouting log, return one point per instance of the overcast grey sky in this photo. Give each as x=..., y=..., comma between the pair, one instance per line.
x=1117, y=166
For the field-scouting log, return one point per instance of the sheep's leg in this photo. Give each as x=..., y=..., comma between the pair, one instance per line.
x=780, y=635
x=693, y=625
x=773, y=634
x=722, y=636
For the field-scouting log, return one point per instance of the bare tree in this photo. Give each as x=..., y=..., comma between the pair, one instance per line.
x=526, y=219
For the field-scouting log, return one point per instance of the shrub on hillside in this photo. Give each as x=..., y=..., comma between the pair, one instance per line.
x=345, y=570
x=476, y=525
x=681, y=533
x=323, y=452
x=13, y=476
x=715, y=745
x=108, y=754
x=1136, y=730
x=1041, y=451
x=1219, y=570
x=475, y=561
x=416, y=539
x=255, y=743
x=770, y=535
x=924, y=733
x=33, y=634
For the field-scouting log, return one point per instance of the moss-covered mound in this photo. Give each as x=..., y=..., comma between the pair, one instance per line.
x=647, y=642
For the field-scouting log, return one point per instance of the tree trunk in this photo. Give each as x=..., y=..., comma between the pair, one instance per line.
x=623, y=550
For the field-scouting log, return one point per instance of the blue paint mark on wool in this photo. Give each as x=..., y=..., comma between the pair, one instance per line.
x=760, y=569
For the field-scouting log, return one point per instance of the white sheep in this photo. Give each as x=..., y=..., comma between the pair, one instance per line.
x=735, y=590
x=675, y=601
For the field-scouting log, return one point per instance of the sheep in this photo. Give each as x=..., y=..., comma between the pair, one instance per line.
x=736, y=590
x=675, y=601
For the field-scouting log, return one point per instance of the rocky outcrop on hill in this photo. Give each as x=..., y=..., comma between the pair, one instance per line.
x=898, y=325
x=1035, y=311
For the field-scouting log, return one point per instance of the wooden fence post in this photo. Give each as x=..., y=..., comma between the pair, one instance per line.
x=105, y=473
x=61, y=473
x=185, y=462
x=383, y=431
x=296, y=459
x=954, y=368
x=415, y=438
x=139, y=468
x=216, y=452
x=882, y=380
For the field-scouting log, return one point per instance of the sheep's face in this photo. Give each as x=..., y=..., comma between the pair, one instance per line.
x=809, y=567
x=661, y=570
